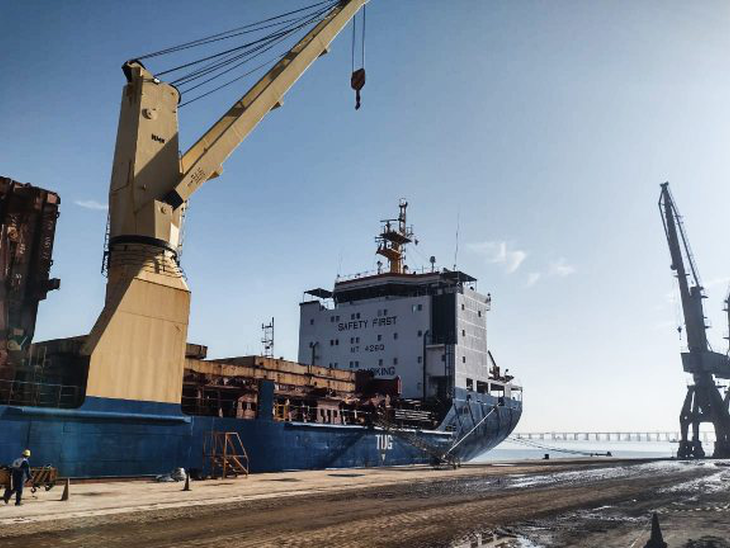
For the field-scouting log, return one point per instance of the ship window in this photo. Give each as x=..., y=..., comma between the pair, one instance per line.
x=352, y=340
x=463, y=332
x=420, y=307
x=479, y=313
x=395, y=335
x=380, y=361
x=463, y=359
x=420, y=333
x=332, y=342
x=395, y=361
x=385, y=311
x=332, y=319
x=380, y=337
x=470, y=384
x=357, y=315
x=443, y=357
x=352, y=316
x=311, y=322
x=357, y=340
x=420, y=359
x=482, y=387
x=337, y=342
x=357, y=363
x=462, y=306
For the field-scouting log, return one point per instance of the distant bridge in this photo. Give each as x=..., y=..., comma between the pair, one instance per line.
x=672, y=437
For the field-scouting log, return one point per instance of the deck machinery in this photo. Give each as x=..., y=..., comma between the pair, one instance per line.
x=704, y=401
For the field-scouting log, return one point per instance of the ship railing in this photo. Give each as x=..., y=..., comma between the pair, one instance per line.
x=321, y=415
x=39, y=394
x=368, y=273
x=403, y=418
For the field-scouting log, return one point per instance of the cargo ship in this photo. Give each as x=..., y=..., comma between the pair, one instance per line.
x=393, y=369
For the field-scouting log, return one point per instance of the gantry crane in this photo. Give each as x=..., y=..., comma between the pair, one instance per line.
x=704, y=401
x=136, y=349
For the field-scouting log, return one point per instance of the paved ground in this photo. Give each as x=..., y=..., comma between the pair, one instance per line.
x=578, y=503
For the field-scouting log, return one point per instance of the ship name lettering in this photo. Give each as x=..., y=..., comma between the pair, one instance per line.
x=384, y=442
x=387, y=320
x=356, y=324
x=382, y=371
x=374, y=347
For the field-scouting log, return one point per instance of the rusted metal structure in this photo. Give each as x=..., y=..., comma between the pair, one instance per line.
x=27, y=227
x=225, y=455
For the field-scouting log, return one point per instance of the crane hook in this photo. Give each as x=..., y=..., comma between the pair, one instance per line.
x=357, y=81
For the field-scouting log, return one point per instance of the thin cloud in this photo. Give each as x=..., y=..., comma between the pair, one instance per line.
x=92, y=204
x=561, y=268
x=533, y=278
x=500, y=253
x=715, y=282
x=665, y=325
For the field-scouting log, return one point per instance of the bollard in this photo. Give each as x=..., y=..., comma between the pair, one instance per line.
x=187, y=483
x=656, y=540
x=66, y=488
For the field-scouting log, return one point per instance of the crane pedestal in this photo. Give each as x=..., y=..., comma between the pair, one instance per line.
x=136, y=348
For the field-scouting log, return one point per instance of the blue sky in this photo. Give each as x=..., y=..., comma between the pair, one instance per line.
x=546, y=127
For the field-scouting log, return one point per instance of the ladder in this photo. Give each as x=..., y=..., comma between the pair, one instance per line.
x=225, y=455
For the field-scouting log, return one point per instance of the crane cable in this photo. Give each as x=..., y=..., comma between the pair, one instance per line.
x=287, y=31
x=209, y=68
x=231, y=33
x=559, y=449
x=256, y=52
x=357, y=79
x=253, y=53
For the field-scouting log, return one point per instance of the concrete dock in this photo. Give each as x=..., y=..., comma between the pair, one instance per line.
x=588, y=502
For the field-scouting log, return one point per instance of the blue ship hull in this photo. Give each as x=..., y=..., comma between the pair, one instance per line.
x=106, y=437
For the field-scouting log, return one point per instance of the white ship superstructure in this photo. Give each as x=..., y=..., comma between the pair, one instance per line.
x=429, y=329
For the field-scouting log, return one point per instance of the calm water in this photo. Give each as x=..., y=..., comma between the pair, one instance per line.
x=510, y=450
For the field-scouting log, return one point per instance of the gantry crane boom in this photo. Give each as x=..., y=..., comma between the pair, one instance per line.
x=684, y=265
x=703, y=402
x=136, y=348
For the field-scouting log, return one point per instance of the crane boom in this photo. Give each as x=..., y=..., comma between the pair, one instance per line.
x=684, y=266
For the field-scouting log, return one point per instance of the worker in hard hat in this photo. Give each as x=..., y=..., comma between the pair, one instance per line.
x=20, y=473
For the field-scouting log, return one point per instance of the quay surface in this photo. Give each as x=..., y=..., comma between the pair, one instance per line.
x=582, y=502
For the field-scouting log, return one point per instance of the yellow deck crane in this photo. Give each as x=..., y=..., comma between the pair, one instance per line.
x=136, y=348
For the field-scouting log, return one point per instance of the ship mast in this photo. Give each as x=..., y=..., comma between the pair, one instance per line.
x=393, y=238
